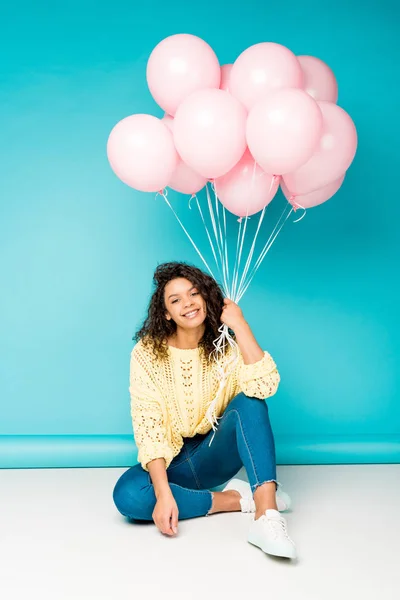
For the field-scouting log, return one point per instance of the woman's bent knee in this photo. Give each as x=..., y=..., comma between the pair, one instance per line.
x=131, y=495
x=243, y=403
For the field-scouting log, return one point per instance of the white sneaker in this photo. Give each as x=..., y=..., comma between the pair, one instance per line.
x=283, y=500
x=270, y=534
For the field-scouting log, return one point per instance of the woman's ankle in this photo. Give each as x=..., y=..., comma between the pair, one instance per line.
x=265, y=498
x=228, y=501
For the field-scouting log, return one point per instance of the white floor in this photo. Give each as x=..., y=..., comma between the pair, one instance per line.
x=61, y=538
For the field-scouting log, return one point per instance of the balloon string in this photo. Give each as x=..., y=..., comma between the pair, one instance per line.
x=296, y=205
x=266, y=248
x=236, y=256
x=164, y=194
x=223, y=234
x=239, y=247
x=241, y=244
x=215, y=229
x=209, y=237
x=226, y=245
x=241, y=236
x=223, y=238
x=251, y=253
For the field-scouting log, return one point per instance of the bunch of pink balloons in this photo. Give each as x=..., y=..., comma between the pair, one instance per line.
x=269, y=117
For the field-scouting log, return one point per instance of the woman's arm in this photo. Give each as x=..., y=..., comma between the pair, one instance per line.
x=147, y=415
x=165, y=514
x=233, y=317
x=158, y=474
x=247, y=343
x=257, y=374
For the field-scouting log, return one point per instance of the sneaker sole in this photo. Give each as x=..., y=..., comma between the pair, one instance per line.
x=289, y=553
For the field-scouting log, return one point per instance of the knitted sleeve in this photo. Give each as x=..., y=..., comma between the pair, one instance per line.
x=259, y=380
x=147, y=415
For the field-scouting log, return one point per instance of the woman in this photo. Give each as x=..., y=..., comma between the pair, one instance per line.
x=173, y=379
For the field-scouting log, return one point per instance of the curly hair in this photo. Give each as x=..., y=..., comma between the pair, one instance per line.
x=156, y=329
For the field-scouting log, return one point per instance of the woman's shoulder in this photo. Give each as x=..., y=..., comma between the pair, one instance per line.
x=143, y=352
x=141, y=349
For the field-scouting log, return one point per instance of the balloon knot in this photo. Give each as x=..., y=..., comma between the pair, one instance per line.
x=293, y=203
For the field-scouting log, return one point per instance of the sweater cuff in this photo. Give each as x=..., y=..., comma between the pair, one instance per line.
x=152, y=452
x=261, y=368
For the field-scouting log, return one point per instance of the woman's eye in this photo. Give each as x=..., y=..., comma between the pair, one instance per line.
x=174, y=301
x=195, y=293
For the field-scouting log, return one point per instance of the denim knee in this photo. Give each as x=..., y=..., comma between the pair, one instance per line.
x=243, y=403
x=129, y=496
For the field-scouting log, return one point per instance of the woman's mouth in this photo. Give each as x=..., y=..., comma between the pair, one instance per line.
x=192, y=314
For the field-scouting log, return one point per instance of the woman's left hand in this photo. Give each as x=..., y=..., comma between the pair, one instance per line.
x=232, y=315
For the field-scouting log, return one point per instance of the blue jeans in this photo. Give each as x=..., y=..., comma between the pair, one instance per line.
x=244, y=438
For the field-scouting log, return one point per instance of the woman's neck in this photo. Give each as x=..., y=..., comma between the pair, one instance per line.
x=187, y=339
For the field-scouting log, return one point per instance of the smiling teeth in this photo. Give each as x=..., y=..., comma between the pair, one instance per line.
x=192, y=313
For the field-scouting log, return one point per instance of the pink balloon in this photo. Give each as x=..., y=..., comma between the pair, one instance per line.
x=313, y=198
x=141, y=152
x=261, y=69
x=168, y=121
x=333, y=156
x=246, y=189
x=319, y=79
x=225, y=77
x=179, y=65
x=283, y=130
x=209, y=132
x=183, y=179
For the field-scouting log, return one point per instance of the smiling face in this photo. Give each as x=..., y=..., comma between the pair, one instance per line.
x=184, y=304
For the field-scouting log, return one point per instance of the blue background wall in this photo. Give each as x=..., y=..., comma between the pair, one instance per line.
x=78, y=247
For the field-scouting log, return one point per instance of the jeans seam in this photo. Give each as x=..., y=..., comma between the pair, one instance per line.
x=194, y=473
x=233, y=410
x=191, y=491
x=171, y=468
x=199, y=491
x=192, y=468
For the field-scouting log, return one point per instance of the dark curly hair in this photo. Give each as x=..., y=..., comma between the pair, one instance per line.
x=156, y=329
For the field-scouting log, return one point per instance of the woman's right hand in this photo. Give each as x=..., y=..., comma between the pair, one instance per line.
x=165, y=514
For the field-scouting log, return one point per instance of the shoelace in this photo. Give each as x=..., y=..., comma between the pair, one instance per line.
x=277, y=526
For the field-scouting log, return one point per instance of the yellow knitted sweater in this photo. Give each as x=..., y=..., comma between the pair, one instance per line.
x=169, y=398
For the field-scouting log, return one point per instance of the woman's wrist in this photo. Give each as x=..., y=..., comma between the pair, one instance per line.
x=247, y=343
x=241, y=327
x=163, y=491
x=159, y=478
